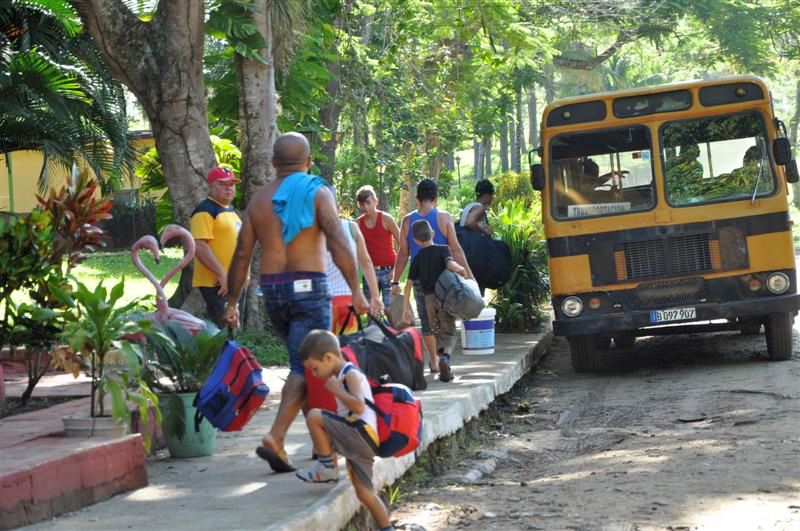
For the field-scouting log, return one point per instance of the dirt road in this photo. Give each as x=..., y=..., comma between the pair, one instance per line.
x=685, y=432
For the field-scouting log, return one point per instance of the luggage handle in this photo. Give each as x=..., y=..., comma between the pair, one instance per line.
x=351, y=312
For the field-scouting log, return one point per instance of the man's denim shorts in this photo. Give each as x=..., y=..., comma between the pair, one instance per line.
x=296, y=302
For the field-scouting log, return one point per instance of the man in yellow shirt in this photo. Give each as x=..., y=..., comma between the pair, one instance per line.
x=215, y=227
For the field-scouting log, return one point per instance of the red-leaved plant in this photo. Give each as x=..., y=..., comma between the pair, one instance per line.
x=76, y=212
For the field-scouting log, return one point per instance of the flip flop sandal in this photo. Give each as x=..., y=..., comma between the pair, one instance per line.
x=434, y=369
x=278, y=462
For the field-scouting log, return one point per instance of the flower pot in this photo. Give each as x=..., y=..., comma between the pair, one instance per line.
x=192, y=443
x=100, y=427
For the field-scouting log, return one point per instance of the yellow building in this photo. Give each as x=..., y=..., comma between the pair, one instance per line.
x=18, y=194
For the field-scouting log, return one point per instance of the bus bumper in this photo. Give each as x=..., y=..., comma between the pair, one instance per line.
x=631, y=321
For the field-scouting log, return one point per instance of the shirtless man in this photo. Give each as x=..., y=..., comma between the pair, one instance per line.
x=293, y=218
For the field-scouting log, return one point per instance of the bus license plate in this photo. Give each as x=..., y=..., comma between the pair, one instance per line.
x=672, y=314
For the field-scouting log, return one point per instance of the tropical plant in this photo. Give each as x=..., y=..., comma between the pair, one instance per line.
x=184, y=359
x=512, y=186
x=518, y=301
x=56, y=95
x=76, y=210
x=26, y=244
x=97, y=325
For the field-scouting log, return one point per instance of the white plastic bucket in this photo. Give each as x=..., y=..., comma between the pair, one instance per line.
x=477, y=335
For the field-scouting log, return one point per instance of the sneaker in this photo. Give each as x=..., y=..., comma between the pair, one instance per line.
x=318, y=473
x=445, y=373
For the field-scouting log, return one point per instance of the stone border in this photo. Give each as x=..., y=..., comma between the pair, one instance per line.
x=71, y=480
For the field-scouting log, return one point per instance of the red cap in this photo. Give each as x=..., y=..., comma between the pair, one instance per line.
x=225, y=175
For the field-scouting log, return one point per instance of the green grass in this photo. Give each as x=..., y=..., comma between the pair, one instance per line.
x=268, y=349
x=110, y=267
x=113, y=266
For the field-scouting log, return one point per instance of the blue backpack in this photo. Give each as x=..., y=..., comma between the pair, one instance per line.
x=234, y=391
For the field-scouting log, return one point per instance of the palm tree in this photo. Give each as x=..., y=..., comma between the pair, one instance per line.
x=56, y=94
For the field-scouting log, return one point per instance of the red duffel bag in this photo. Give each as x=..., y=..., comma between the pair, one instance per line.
x=382, y=353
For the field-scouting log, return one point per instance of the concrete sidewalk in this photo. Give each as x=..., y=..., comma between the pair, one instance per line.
x=234, y=489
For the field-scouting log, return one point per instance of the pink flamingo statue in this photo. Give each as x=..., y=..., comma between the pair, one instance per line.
x=163, y=312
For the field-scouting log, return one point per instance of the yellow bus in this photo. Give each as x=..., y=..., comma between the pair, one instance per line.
x=665, y=211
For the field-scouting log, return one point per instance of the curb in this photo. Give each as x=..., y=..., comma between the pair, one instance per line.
x=84, y=473
x=337, y=508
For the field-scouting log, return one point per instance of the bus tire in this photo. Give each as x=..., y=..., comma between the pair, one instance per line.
x=778, y=329
x=624, y=340
x=750, y=327
x=584, y=354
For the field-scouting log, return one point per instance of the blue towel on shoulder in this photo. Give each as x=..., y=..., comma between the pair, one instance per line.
x=293, y=203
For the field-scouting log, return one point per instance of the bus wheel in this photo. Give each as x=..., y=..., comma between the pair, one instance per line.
x=750, y=327
x=624, y=340
x=778, y=328
x=584, y=353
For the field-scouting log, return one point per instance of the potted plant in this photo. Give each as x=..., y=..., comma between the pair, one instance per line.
x=177, y=365
x=96, y=326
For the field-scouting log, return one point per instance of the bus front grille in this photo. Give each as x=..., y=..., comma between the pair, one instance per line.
x=689, y=254
x=671, y=293
x=645, y=259
x=680, y=255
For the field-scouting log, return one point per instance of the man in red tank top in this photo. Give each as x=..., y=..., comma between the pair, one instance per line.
x=381, y=233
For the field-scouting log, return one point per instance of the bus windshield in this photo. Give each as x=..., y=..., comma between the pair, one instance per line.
x=721, y=158
x=601, y=173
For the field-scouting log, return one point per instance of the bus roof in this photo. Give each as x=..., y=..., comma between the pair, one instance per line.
x=644, y=91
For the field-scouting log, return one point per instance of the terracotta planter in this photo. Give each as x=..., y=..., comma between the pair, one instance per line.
x=99, y=427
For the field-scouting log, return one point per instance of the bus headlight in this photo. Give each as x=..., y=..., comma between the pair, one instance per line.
x=572, y=306
x=778, y=283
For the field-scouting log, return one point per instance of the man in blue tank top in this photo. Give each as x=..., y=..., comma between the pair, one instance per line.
x=444, y=233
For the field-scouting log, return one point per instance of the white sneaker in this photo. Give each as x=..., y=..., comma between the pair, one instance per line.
x=318, y=473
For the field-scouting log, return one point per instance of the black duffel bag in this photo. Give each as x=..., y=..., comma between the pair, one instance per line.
x=489, y=259
x=381, y=352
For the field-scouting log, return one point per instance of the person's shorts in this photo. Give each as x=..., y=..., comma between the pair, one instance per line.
x=296, y=302
x=382, y=274
x=422, y=312
x=356, y=441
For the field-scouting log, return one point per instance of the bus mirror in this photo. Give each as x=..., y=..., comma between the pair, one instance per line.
x=782, y=150
x=537, y=177
x=792, y=175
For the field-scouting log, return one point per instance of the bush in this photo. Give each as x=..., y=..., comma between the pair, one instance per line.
x=512, y=186
x=517, y=223
x=268, y=349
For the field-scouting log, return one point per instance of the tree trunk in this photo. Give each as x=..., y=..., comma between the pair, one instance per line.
x=512, y=137
x=503, y=145
x=435, y=161
x=549, y=84
x=519, y=129
x=533, y=113
x=160, y=61
x=487, y=150
x=793, y=126
x=258, y=130
x=478, y=167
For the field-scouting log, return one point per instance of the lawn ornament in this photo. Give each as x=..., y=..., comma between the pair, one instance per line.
x=163, y=312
